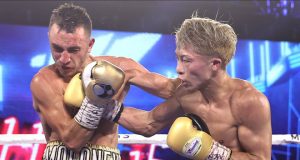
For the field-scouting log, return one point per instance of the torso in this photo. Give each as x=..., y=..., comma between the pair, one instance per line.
x=220, y=115
x=107, y=132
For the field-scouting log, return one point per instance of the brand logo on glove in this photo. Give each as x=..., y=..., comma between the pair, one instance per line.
x=192, y=147
x=103, y=90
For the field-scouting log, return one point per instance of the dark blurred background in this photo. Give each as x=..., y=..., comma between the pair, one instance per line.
x=252, y=19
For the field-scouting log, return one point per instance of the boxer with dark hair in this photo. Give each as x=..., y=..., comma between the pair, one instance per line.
x=73, y=95
x=237, y=115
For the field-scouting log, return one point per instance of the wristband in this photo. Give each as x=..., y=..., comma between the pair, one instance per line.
x=113, y=111
x=89, y=115
x=117, y=117
x=219, y=152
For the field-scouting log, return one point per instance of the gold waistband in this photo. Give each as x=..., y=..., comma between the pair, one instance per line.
x=92, y=146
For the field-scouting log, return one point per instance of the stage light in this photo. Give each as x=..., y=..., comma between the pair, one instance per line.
x=294, y=60
x=135, y=46
x=38, y=60
x=251, y=57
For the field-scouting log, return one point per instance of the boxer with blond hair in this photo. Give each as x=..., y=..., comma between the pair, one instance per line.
x=212, y=115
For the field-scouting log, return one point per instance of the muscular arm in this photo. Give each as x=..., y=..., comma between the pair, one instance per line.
x=149, y=81
x=254, y=132
x=51, y=109
x=147, y=123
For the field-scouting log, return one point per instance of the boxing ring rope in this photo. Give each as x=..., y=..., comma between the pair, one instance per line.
x=159, y=139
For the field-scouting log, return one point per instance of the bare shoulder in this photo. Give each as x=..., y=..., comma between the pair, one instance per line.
x=248, y=102
x=45, y=81
x=42, y=76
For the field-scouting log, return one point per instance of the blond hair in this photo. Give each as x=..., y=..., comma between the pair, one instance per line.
x=207, y=37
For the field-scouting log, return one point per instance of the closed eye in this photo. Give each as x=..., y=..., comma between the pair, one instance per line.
x=73, y=49
x=185, y=59
x=57, y=48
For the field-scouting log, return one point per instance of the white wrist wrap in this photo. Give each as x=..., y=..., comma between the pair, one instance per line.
x=89, y=115
x=219, y=152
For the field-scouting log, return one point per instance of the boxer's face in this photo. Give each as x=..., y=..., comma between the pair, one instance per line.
x=193, y=69
x=69, y=50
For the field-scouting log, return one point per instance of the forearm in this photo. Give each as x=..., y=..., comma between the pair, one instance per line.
x=155, y=84
x=64, y=128
x=137, y=121
x=76, y=136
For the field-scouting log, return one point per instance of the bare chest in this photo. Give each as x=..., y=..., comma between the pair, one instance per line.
x=218, y=117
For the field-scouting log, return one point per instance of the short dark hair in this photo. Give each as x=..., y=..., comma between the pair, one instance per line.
x=69, y=16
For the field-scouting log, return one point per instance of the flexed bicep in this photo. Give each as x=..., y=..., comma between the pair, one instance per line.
x=48, y=103
x=255, y=132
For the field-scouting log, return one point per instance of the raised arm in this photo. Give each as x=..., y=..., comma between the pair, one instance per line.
x=48, y=102
x=147, y=123
x=100, y=81
x=151, y=82
x=254, y=132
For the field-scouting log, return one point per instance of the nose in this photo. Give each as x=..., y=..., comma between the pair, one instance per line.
x=179, y=68
x=65, y=58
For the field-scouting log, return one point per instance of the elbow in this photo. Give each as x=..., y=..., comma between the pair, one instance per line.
x=145, y=130
x=149, y=131
x=73, y=145
x=147, y=134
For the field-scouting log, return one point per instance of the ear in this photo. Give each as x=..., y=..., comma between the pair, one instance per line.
x=216, y=63
x=91, y=44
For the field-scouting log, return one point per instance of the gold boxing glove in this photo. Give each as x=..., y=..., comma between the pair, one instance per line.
x=103, y=72
x=101, y=80
x=74, y=92
x=195, y=143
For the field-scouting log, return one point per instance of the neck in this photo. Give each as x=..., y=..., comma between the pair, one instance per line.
x=217, y=87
